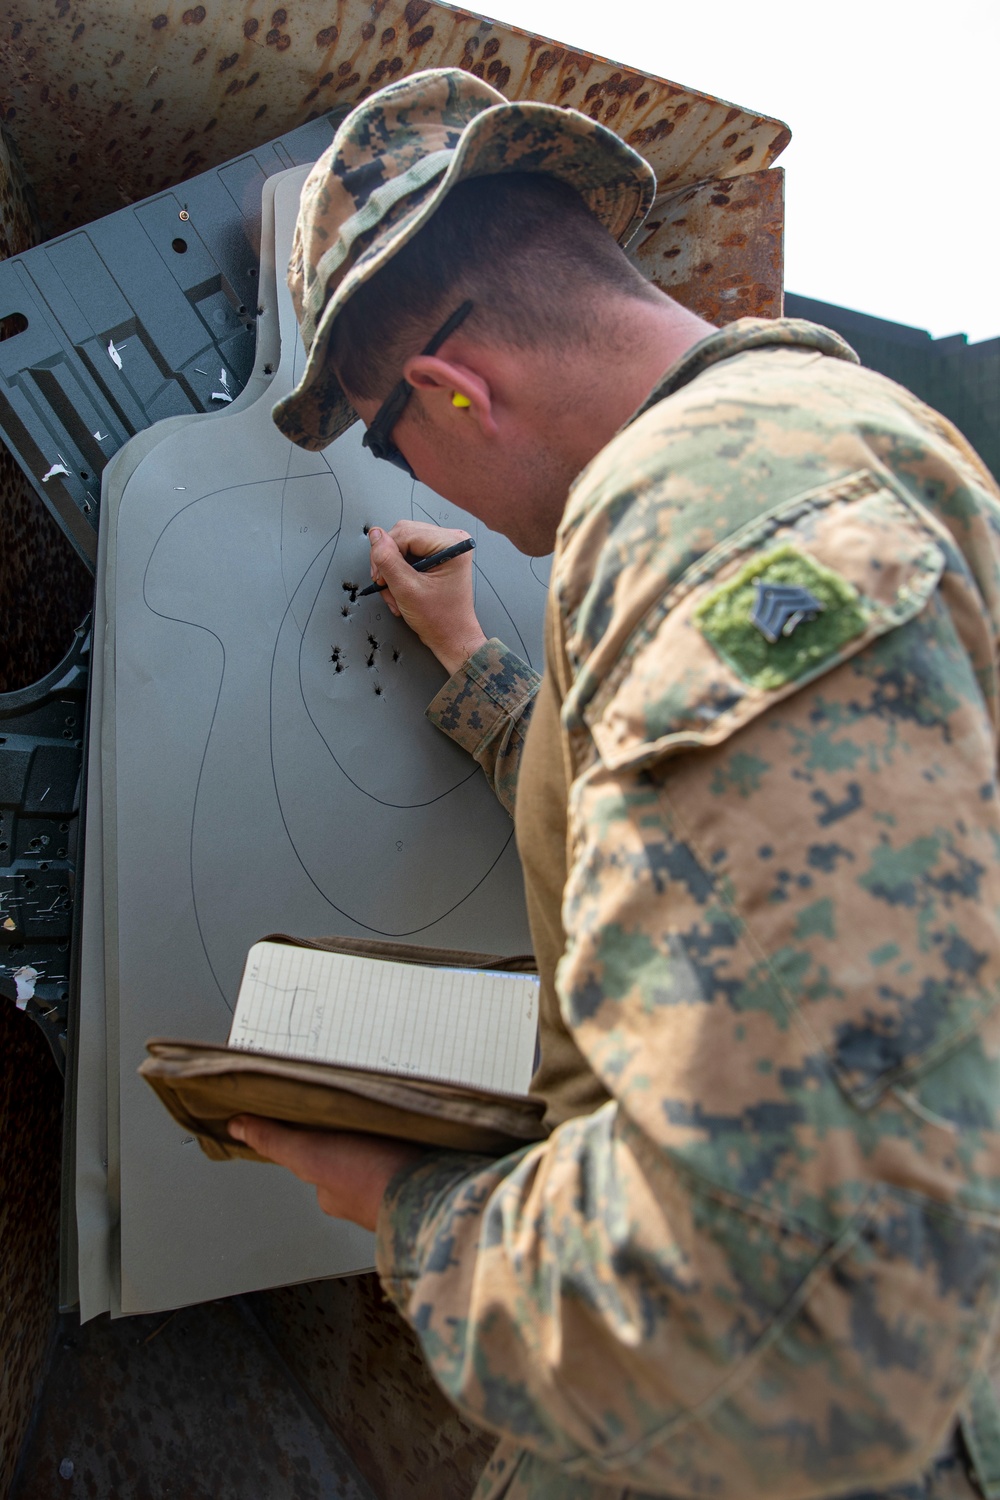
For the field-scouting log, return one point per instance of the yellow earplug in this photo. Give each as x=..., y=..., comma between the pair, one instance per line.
x=457, y=399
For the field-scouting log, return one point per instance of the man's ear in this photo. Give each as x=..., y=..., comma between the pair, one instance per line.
x=439, y=380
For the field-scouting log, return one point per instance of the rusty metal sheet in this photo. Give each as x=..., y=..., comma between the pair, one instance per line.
x=194, y=1406
x=19, y=226
x=30, y=1100
x=362, y=1366
x=41, y=744
x=110, y=103
x=44, y=592
x=718, y=246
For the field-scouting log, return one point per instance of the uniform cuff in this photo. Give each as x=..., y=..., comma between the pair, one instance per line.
x=492, y=686
x=411, y=1200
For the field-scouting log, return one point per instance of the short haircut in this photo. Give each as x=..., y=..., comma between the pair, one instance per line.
x=521, y=246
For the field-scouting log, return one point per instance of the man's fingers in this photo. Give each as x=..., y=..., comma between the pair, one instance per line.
x=304, y=1152
x=421, y=538
x=262, y=1136
x=393, y=552
x=439, y=605
x=388, y=563
x=349, y=1171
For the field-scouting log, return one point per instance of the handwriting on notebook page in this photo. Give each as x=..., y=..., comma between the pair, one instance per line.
x=464, y=1026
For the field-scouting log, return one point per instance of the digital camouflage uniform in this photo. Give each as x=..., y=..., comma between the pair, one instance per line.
x=764, y=1260
x=758, y=1255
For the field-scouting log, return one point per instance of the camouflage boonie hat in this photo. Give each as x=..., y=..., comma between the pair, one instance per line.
x=390, y=164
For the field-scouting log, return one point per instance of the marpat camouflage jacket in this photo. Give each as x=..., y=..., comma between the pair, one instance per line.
x=768, y=1267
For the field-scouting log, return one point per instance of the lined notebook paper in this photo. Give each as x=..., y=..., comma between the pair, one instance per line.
x=461, y=1025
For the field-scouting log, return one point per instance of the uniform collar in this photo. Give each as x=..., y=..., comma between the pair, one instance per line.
x=737, y=338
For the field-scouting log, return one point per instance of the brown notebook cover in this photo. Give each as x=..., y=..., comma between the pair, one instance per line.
x=203, y=1085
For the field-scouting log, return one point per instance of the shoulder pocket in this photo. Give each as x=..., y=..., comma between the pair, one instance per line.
x=776, y=605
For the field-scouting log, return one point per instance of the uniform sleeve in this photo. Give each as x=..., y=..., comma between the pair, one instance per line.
x=485, y=707
x=782, y=897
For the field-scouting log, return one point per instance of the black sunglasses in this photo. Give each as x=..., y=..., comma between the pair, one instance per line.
x=378, y=437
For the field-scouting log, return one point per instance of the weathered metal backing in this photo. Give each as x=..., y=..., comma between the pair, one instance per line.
x=194, y=1406
x=145, y=314
x=362, y=1366
x=43, y=594
x=45, y=590
x=41, y=740
x=109, y=104
x=30, y=1101
x=19, y=225
x=718, y=246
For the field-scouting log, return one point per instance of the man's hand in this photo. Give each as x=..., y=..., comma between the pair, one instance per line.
x=437, y=605
x=349, y=1172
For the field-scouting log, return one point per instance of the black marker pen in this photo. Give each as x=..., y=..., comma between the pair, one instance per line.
x=424, y=564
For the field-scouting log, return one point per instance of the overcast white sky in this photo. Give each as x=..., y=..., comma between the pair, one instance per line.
x=892, y=182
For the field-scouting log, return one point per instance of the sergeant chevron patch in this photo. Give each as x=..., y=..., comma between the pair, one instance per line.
x=780, y=608
x=781, y=617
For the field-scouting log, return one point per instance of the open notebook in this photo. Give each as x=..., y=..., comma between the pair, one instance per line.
x=436, y=1053
x=460, y=1025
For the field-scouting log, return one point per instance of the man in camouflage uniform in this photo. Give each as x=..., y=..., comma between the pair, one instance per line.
x=759, y=1253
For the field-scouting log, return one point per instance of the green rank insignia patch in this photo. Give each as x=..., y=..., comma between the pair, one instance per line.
x=782, y=616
